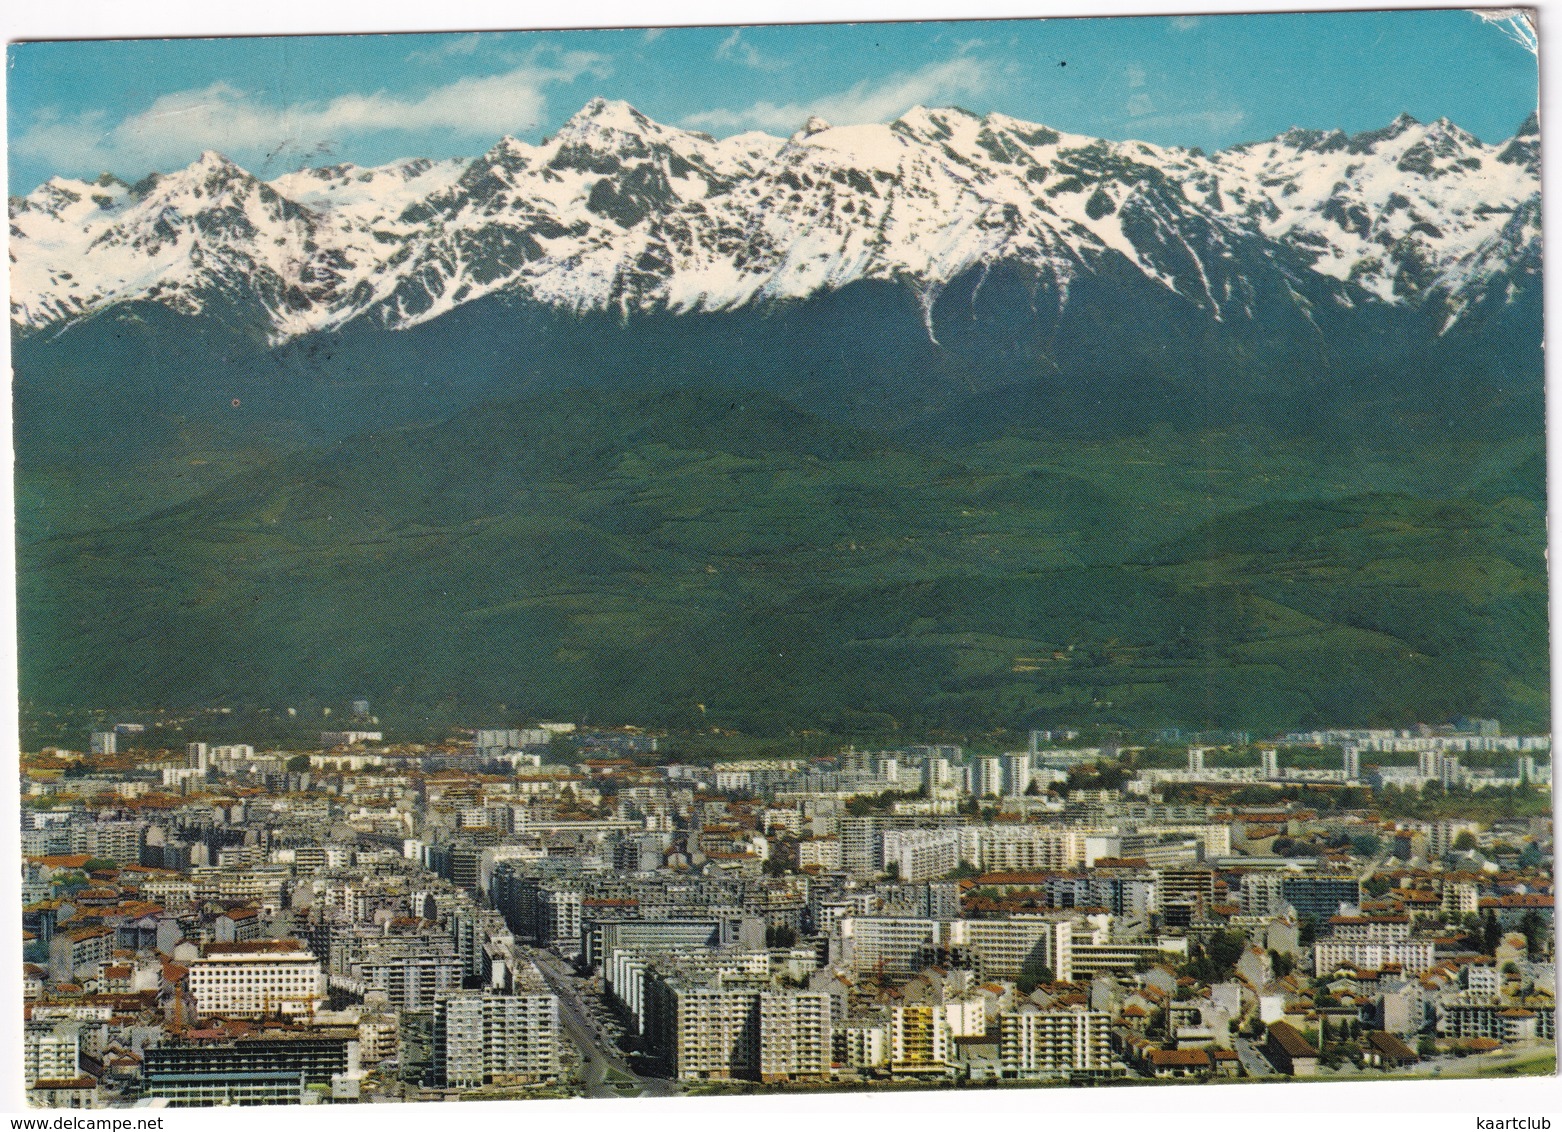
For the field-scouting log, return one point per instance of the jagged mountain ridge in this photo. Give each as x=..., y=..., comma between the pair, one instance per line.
x=619, y=213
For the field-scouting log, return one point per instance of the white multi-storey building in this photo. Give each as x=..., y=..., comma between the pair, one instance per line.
x=819, y=852
x=937, y=777
x=1023, y=848
x=1441, y=835
x=256, y=979
x=865, y=1043
x=1261, y=894
x=921, y=854
x=262, y=884
x=1004, y=949
x=51, y=1051
x=720, y=1031
x=886, y=944
x=1413, y=956
x=1481, y=978
x=1016, y=774
x=118, y=841
x=1045, y=1043
x=509, y=1039
x=1216, y=838
x=1369, y=929
x=561, y=915
x=628, y=972
x=987, y=777
x=1462, y=898
x=1001, y=948
x=794, y=1035
x=733, y=780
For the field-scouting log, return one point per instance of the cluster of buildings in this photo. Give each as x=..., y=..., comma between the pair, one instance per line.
x=368, y=921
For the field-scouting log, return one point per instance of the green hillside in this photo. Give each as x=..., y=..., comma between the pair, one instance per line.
x=703, y=558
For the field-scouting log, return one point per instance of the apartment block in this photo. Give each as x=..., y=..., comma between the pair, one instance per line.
x=315, y=1055
x=1024, y=848
x=1413, y=956
x=484, y=1039
x=1055, y=1043
x=921, y=854
x=723, y=1031
x=51, y=1051
x=794, y=1035
x=410, y=981
x=256, y=979
x=919, y=1040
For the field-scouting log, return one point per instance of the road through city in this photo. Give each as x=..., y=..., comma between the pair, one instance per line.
x=604, y=1072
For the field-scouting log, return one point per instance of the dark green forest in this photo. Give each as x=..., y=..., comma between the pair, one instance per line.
x=703, y=557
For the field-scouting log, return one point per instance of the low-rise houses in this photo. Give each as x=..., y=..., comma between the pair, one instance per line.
x=1290, y=1052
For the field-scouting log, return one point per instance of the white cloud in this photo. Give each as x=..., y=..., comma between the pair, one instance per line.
x=868, y=101
x=179, y=125
x=1136, y=75
x=740, y=50
x=1184, y=23
x=450, y=48
x=1139, y=105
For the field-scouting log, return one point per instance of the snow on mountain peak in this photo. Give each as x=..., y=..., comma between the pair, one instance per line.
x=936, y=122
x=508, y=145
x=612, y=112
x=603, y=117
x=508, y=153
x=616, y=210
x=213, y=165
x=349, y=190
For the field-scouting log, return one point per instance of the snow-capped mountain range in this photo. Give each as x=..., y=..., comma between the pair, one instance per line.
x=617, y=212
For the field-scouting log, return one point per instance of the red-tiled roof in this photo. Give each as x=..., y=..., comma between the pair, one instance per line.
x=63, y=861
x=1520, y=900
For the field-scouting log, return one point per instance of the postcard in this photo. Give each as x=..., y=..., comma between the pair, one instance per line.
x=688, y=561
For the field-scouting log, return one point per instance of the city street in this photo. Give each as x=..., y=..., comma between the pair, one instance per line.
x=604, y=1072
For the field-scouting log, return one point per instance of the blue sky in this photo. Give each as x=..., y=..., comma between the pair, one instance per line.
x=77, y=108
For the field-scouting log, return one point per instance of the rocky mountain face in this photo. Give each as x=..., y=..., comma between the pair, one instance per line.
x=842, y=430
x=617, y=213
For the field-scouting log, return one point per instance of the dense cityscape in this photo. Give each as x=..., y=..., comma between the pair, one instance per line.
x=561, y=910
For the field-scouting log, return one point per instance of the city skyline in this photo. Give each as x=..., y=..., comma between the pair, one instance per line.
x=566, y=911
